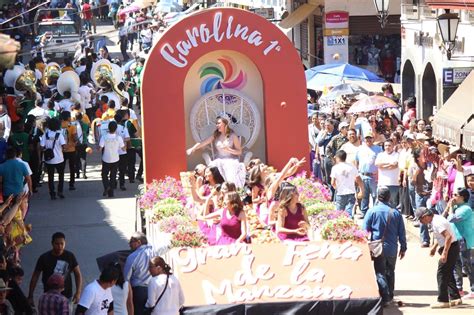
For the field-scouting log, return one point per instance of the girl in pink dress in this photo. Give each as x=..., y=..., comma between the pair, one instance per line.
x=292, y=223
x=233, y=221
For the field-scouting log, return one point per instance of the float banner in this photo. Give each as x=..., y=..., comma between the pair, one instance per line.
x=276, y=273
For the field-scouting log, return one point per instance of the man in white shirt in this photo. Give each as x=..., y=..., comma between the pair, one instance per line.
x=122, y=132
x=351, y=147
x=85, y=94
x=110, y=145
x=343, y=178
x=313, y=132
x=66, y=103
x=39, y=112
x=388, y=171
x=448, y=294
x=96, y=299
x=5, y=123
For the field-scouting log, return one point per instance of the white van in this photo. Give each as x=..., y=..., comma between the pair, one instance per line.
x=64, y=30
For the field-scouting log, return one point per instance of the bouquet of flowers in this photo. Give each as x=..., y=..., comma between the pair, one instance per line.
x=318, y=207
x=317, y=221
x=188, y=236
x=166, y=208
x=158, y=190
x=343, y=229
x=172, y=224
x=311, y=191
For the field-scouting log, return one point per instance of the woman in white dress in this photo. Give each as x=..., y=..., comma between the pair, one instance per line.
x=228, y=150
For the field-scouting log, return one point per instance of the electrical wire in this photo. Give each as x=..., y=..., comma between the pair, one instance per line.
x=18, y=15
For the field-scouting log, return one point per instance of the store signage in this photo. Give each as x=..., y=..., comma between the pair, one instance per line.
x=215, y=32
x=455, y=76
x=336, y=32
x=268, y=13
x=281, y=272
x=337, y=40
x=337, y=19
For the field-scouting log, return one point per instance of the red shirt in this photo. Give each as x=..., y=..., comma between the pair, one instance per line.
x=86, y=11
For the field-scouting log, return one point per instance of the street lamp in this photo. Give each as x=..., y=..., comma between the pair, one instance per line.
x=448, y=26
x=382, y=11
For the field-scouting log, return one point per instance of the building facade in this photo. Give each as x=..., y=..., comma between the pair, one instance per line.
x=426, y=71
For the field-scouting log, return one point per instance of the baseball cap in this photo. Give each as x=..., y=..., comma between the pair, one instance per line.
x=343, y=124
x=421, y=212
x=369, y=134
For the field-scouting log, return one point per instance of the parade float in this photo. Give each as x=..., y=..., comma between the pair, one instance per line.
x=233, y=62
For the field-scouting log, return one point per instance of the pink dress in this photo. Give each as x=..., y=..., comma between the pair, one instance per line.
x=231, y=229
x=209, y=230
x=291, y=222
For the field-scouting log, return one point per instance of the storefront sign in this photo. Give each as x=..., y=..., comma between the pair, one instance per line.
x=336, y=37
x=268, y=13
x=455, y=76
x=337, y=19
x=281, y=272
x=336, y=32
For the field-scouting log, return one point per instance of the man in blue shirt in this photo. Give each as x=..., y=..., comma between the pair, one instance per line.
x=375, y=222
x=365, y=159
x=14, y=174
x=460, y=214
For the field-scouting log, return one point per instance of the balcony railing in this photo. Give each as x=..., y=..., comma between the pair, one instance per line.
x=427, y=12
x=409, y=12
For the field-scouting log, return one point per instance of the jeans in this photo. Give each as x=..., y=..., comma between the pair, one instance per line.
x=60, y=169
x=109, y=175
x=370, y=189
x=390, y=274
x=317, y=168
x=394, y=193
x=381, y=277
x=346, y=203
x=140, y=295
x=445, y=275
x=420, y=201
x=412, y=195
x=464, y=263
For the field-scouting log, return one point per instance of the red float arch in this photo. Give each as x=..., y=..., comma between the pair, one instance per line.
x=284, y=86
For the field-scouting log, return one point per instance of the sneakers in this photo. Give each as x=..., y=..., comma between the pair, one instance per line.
x=455, y=302
x=416, y=224
x=440, y=305
x=425, y=244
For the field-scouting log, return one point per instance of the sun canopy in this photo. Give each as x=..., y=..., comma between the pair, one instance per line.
x=455, y=113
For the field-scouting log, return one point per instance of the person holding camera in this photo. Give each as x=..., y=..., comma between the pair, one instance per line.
x=52, y=143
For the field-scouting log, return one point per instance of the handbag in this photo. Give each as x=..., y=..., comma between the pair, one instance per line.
x=149, y=310
x=376, y=247
x=49, y=153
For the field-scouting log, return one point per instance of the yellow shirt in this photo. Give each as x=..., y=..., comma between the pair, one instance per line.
x=109, y=114
x=85, y=118
x=70, y=134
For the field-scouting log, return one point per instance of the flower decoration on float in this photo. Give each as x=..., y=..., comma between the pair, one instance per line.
x=223, y=74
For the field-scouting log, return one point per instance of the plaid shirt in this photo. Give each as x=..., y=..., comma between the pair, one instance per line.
x=53, y=303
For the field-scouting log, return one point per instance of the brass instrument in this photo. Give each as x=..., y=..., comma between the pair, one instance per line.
x=105, y=76
x=51, y=74
x=69, y=81
x=26, y=82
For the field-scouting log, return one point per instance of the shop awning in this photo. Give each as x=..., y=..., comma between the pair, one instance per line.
x=298, y=16
x=455, y=113
x=468, y=136
x=451, y=4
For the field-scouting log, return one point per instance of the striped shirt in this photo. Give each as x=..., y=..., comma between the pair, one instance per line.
x=53, y=303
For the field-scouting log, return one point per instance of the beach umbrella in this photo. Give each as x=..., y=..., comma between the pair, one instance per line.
x=341, y=90
x=370, y=103
x=334, y=74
